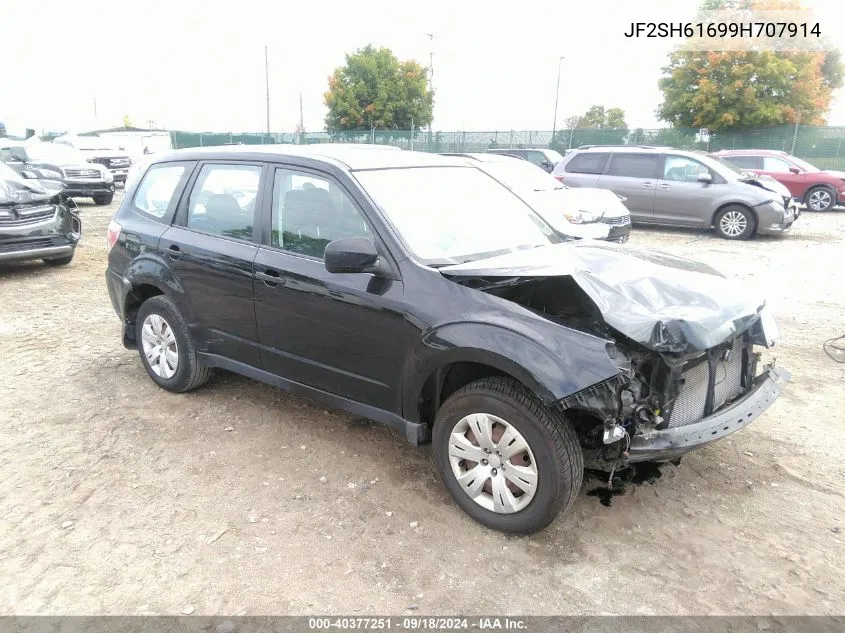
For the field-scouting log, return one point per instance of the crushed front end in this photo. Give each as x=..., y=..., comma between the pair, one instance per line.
x=662, y=406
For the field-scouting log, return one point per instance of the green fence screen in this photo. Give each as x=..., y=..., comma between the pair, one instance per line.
x=822, y=146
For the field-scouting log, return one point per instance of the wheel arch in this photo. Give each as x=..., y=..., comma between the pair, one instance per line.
x=735, y=203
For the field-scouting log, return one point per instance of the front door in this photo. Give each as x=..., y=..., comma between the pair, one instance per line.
x=342, y=333
x=211, y=249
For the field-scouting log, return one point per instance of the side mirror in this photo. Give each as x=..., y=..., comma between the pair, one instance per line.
x=794, y=170
x=351, y=255
x=705, y=178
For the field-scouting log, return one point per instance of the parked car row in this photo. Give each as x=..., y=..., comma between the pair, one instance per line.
x=426, y=293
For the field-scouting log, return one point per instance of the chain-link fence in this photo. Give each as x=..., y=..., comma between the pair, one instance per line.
x=822, y=146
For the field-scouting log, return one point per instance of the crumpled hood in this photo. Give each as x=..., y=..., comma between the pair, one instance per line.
x=15, y=190
x=767, y=182
x=602, y=201
x=664, y=302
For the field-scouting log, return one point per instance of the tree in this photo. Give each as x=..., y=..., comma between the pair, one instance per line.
x=729, y=89
x=376, y=90
x=597, y=117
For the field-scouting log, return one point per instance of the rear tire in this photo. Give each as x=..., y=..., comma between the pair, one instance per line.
x=59, y=261
x=820, y=199
x=552, y=459
x=103, y=200
x=735, y=222
x=165, y=347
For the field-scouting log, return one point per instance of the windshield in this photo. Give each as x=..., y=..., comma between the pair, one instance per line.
x=728, y=166
x=553, y=156
x=55, y=153
x=804, y=165
x=450, y=215
x=520, y=175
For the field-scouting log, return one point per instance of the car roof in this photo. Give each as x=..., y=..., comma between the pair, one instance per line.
x=763, y=152
x=504, y=150
x=484, y=157
x=629, y=148
x=351, y=156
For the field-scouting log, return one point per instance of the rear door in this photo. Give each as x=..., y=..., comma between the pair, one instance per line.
x=211, y=248
x=681, y=198
x=633, y=175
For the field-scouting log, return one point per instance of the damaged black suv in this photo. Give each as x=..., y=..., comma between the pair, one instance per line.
x=417, y=291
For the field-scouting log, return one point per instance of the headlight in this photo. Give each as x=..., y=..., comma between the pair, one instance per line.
x=49, y=174
x=582, y=217
x=106, y=174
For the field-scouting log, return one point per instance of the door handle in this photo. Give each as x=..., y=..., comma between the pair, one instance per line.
x=174, y=252
x=270, y=278
x=665, y=186
x=648, y=185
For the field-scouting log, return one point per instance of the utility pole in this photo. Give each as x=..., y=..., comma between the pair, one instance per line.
x=795, y=133
x=431, y=73
x=557, y=94
x=95, y=107
x=301, y=120
x=267, y=85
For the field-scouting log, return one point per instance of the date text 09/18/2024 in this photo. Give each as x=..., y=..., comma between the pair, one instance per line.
x=724, y=29
x=418, y=623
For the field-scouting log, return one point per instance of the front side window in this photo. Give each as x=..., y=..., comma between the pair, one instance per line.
x=155, y=193
x=634, y=165
x=222, y=201
x=777, y=165
x=449, y=215
x=310, y=211
x=683, y=169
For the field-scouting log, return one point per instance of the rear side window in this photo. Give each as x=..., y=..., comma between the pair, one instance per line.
x=745, y=162
x=223, y=200
x=155, y=193
x=587, y=163
x=634, y=165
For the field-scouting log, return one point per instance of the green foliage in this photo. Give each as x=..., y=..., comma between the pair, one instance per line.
x=597, y=117
x=376, y=90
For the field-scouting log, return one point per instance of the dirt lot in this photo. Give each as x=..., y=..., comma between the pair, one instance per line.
x=117, y=497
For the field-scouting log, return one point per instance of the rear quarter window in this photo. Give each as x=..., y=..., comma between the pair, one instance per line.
x=586, y=163
x=156, y=194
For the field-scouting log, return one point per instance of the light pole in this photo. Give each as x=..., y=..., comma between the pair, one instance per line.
x=267, y=86
x=557, y=94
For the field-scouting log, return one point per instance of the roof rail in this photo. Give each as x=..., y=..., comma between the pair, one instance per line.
x=620, y=145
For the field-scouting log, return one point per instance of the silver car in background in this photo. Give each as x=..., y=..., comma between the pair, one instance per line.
x=674, y=187
x=582, y=213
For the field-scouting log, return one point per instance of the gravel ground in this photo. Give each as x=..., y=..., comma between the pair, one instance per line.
x=117, y=497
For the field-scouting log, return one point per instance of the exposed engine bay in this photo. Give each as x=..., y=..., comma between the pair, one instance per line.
x=656, y=389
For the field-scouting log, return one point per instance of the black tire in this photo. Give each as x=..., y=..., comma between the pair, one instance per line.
x=551, y=438
x=190, y=373
x=824, y=198
x=733, y=218
x=60, y=261
x=103, y=200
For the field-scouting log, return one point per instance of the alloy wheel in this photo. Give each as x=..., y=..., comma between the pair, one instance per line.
x=160, y=347
x=820, y=200
x=493, y=463
x=733, y=223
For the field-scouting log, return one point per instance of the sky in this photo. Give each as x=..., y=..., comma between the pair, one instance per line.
x=191, y=65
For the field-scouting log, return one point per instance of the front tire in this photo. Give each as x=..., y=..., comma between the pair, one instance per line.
x=165, y=347
x=103, y=200
x=735, y=223
x=821, y=199
x=506, y=460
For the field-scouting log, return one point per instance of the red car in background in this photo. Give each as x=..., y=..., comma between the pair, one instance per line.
x=820, y=190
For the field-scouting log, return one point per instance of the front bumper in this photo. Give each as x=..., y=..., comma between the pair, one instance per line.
x=670, y=444
x=88, y=188
x=53, y=237
x=774, y=221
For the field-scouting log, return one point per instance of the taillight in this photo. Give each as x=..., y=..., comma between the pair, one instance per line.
x=560, y=178
x=113, y=233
